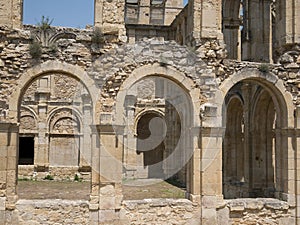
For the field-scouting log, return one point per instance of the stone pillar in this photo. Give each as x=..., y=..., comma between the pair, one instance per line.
x=8, y=168
x=257, y=34
x=86, y=145
x=41, y=159
x=130, y=154
x=287, y=23
x=110, y=191
x=211, y=18
x=211, y=138
x=211, y=172
x=246, y=91
x=11, y=13
x=109, y=16
x=95, y=170
x=194, y=169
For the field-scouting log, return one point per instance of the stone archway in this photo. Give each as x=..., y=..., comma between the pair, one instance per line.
x=257, y=112
x=15, y=101
x=128, y=104
x=51, y=66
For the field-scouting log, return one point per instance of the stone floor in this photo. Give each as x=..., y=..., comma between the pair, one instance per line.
x=132, y=190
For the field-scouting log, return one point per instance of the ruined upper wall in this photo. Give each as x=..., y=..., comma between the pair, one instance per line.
x=11, y=13
x=109, y=16
x=287, y=23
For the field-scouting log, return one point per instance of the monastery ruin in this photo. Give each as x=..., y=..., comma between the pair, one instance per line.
x=207, y=93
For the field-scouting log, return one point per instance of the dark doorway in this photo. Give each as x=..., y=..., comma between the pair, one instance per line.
x=150, y=143
x=26, y=150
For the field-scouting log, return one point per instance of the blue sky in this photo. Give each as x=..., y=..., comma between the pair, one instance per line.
x=67, y=13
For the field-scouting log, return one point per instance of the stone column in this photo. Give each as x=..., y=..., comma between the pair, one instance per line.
x=110, y=192
x=257, y=31
x=109, y=16
x=8, y=168
x=287, y=24
x=194, y=169
x=86, y=146
x=211, y=14
x=95, y=176
x=41, y=160
x=130, y=154
x=211, y=138
x=246, y=91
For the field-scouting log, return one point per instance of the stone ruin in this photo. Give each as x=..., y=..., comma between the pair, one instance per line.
x=207, y=93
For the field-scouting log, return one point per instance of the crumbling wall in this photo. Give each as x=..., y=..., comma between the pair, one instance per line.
x=52, y=212
x=160, y=211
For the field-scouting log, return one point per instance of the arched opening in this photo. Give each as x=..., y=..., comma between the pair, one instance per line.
x=253, y=147
x=51, y=111
x=152, y=151
x=158, y=146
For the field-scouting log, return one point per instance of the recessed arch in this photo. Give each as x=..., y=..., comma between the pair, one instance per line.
x=74, y=112
x=34, y=73
x=263, y=115
x=144, y=112
x=169, y=73
x=175, y=93
x=267, y=80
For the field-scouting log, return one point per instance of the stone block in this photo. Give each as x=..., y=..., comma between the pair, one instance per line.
x=2, y=203
x=107, y=203
x=107, y=190
x=106, y=216
x=223, y=216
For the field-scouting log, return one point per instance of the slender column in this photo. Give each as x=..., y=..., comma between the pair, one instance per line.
x=246, y=89
x=41, y=160
x=110, y=191
x=95, y=169
x=86, y=150
x=130, y=154
x=211, y=172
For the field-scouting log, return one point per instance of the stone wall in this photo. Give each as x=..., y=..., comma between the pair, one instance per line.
x=160, y=211
x=36, y=212
x=255, y=211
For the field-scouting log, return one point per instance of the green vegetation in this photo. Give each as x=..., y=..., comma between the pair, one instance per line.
x=35, y=50
x=48, y=177
x=264, y=68
x=98, y=36
x=77, y=178
x=45, y=23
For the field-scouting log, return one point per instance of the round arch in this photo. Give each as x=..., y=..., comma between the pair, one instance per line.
x=261, y=89
x=169, y=73
x=156, y=112
x=52, y=114
x=45, y=68
x=270, y=82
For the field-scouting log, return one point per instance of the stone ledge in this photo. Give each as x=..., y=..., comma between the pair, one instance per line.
x=51, y=202
x=235, y=205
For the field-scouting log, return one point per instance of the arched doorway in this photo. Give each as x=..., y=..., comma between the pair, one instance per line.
x=51, y=127
x=169, y=95
x=152, y=151
x=253, y=147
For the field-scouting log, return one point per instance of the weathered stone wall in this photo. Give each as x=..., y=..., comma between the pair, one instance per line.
x=256, y=211
x=36, y=212
x=160, y=211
